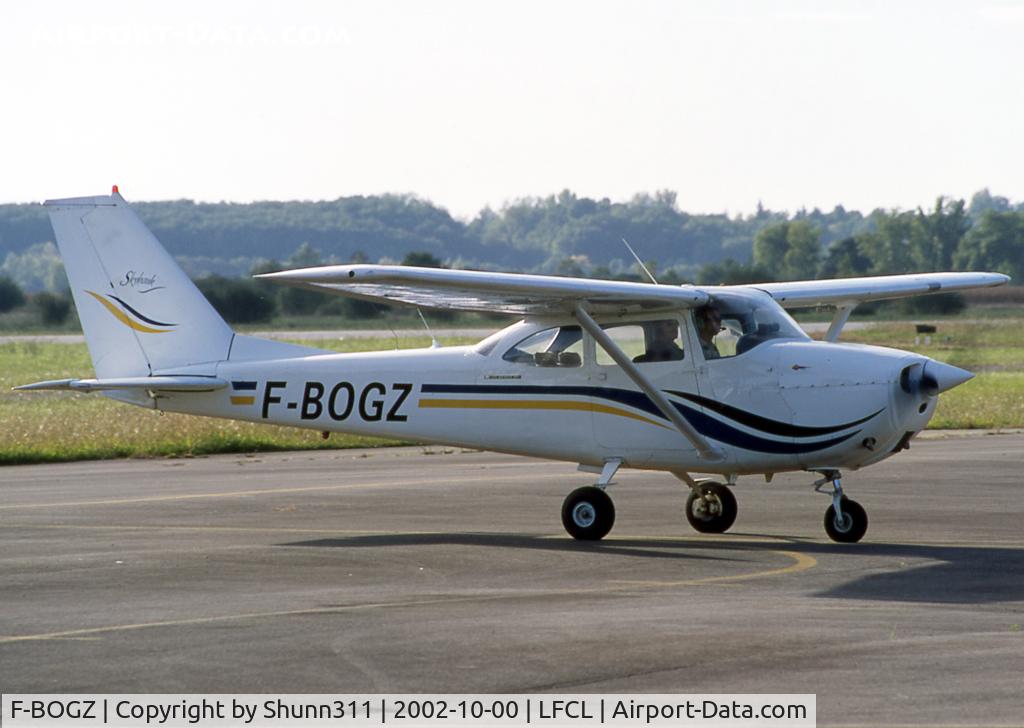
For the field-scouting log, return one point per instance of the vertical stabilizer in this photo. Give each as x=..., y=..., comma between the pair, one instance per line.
x=139, y=311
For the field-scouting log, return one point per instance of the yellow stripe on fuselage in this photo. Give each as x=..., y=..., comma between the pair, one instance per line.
x=534, y=404
x=123, y=318
x=243, y=400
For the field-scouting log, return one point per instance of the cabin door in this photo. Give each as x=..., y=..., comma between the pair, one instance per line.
x=625, y=419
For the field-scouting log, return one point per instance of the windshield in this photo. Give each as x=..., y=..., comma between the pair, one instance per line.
x=735, y=322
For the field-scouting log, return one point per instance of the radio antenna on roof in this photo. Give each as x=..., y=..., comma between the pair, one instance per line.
x=637, y=257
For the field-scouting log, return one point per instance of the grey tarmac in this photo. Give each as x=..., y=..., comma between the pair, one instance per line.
x=435, y=570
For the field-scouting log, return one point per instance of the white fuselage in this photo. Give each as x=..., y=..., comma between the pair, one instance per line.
x=783, y=405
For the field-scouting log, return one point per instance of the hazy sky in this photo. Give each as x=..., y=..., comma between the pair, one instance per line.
x=795, y=104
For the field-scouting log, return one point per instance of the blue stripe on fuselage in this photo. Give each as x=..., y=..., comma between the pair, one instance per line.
x=705, y=424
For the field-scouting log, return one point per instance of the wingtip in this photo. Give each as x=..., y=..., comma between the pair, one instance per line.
x=316, y=274
x=49, y=384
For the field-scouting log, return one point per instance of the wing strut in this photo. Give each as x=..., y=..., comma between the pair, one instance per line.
x=843, y=312
x=704, y=448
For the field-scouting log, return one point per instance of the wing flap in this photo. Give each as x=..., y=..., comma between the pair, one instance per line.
x=482, y=291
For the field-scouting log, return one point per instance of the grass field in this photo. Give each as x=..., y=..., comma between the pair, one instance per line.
x=55, y=426
x=59, y=426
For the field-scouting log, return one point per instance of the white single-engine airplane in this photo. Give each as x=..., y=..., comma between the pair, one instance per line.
x=602, y=373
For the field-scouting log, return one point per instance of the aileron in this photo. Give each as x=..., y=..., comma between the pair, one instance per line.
x=876, y=288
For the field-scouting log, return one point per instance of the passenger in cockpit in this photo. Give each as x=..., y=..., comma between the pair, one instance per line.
x=661, y=342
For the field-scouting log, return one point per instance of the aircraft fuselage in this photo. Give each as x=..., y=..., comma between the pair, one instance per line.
x=784, y=405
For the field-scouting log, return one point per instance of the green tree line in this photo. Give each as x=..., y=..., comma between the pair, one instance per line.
x=946, y=237
x=562, y=234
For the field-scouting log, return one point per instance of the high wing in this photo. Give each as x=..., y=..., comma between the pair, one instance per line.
x=468, y=290
x=523, y=294
x=846, y=291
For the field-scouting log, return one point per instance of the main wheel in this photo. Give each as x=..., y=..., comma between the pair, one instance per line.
x=851, y=527
x=588, y=514
x=711, y=508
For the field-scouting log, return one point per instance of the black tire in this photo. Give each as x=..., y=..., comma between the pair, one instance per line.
x=854, y=525
x=711, y=508
x=588, y=513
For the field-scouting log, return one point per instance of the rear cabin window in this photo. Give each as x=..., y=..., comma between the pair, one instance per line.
x=645, y=342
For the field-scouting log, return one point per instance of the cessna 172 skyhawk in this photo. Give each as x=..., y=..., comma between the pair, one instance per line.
x=602, y=373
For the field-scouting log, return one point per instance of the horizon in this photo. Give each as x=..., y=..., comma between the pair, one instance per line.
x=534, y=199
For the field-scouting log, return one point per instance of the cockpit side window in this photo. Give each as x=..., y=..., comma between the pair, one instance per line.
x=733, y=324
x=561, y=346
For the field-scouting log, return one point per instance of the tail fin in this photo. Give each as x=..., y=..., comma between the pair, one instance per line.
x=139, y=311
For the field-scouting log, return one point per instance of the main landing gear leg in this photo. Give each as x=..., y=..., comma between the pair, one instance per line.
x=845, y=520
x=588, y=513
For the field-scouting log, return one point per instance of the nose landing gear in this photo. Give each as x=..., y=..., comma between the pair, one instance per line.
x=845, y=520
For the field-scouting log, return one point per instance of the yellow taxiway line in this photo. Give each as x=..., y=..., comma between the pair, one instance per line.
x=801, y=562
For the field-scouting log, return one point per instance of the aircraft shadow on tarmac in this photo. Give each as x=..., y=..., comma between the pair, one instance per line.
x=941, y=574
x=957, y=575
x=937, y=574
x=651, y=549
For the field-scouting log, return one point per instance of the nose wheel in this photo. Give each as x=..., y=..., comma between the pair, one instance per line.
x=849, y=524
x=846, y=521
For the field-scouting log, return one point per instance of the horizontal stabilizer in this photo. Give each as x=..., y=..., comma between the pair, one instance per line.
x=153, y=384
